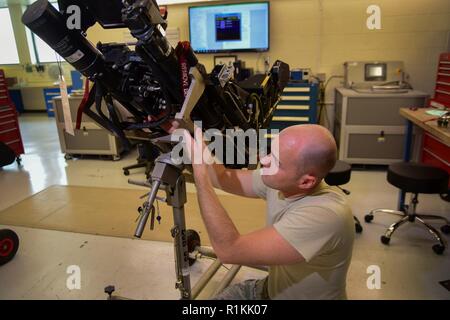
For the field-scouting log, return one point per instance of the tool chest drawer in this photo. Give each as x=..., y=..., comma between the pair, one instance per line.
x=9, y=125
x=297, y=105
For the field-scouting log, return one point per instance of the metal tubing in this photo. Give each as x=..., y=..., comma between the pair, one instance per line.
x=144, y=217
x=139, y=183
x=227, y=279
x=206, y=251
x=181, y=253
x=204, y=279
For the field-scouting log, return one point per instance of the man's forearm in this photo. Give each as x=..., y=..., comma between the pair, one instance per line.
x=216, y=172
x=221, y=230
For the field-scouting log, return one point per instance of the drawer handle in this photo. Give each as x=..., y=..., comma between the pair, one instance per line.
x=12, y=141
x=290, y=119
x=289, y=107
x=381, y=137
x=8, y=130
x=437, y=157
x=296, y=89
x=295, y=98
x=443, y=92
x=6, y=122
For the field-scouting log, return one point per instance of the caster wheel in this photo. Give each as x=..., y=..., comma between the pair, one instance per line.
x=446, y=229
x=193, y=241
x=115, y=158
x=9, y=243
x=68, y=157
x=19, y=161
x=126, y=172
x=358, y=228
x=385, y=240
x=368, y=218
x=438, y=249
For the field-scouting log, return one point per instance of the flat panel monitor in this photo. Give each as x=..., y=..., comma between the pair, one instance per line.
x=229, y=28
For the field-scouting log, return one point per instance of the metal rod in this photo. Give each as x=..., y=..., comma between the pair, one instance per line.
x=205, y=278
x=144, y=216
x=227, y=279
x=140, y=183
x=206, y=251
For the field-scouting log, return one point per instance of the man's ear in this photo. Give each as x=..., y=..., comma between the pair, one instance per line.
x=307, y=181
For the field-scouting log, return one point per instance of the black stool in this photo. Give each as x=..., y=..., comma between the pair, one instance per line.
x=340, y=175
x=416, y=178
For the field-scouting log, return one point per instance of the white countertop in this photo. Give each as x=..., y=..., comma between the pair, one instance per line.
x=352, y=93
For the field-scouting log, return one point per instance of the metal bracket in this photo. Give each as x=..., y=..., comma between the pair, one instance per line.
x=194, y=93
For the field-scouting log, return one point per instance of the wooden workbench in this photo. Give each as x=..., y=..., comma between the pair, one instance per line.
x=425, y=121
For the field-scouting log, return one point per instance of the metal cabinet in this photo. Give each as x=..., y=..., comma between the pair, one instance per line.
x=368, y=127
x=9, y=124
x=298, y=105
x=90, y=139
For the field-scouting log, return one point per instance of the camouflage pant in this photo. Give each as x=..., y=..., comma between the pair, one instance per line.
x=254, y=289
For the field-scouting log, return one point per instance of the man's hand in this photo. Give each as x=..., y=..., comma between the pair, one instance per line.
x=198, y=153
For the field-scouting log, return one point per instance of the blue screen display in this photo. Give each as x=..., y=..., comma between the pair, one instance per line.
x=225, y=28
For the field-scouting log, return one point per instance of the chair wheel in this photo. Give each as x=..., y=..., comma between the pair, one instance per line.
x=445, y=229
x=358, y=228
x=126, y=172
x=9, y=243
x=438, y=249
x=368, y=218
x=385, y=240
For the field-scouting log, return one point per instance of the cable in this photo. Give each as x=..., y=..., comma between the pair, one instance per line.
x=322, y=97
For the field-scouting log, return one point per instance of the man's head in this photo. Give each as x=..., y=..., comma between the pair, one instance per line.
x=306, y=154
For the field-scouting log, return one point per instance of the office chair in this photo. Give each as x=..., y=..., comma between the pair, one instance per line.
x=416, y=178
x=147, y=153
x=338, y=176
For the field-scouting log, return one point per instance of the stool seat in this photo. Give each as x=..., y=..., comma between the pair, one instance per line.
x=417, y=178
x=339, y=175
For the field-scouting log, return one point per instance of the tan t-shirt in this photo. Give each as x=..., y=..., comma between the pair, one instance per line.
x=320, y=226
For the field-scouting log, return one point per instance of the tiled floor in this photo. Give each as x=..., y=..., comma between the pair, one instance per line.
x=144, y=269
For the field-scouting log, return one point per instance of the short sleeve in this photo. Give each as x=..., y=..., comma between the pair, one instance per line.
x=310, y=230
x=259, y=188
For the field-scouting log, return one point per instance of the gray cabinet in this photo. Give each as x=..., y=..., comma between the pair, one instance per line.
x=368, y=127
x=90, y=139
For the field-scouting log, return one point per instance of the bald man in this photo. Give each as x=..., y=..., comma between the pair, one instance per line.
x=308, y=240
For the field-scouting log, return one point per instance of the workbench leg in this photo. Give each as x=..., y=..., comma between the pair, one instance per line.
x=406, y=158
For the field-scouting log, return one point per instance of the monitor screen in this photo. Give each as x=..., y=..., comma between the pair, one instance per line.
x=229, y=28
x=375, y=72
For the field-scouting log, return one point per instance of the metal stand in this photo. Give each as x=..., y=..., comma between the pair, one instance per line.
x=168, y=176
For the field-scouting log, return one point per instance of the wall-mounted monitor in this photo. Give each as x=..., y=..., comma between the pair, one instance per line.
x=230, y=27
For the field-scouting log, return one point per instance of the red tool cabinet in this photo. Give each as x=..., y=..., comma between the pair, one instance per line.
x=434, y=151
x=9, y=124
